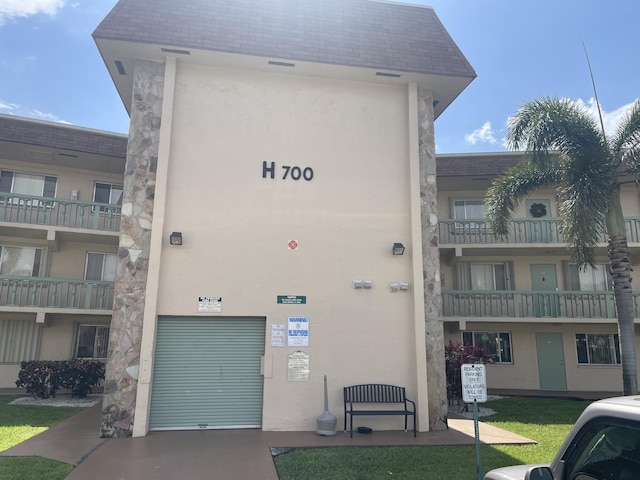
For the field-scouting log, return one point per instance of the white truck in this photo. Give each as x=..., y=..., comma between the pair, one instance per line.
x=604, y=444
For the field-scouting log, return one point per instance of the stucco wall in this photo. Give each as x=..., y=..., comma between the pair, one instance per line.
x=236, y=224
x=523, y=374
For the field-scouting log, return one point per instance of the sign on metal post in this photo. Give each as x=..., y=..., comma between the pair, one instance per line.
x=474, y=390
x=474, y=383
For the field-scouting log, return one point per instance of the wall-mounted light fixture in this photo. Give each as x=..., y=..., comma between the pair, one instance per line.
x=357, y=284
x=175, y=238
x=367, y=283
x=398, y=248
x=394, y=286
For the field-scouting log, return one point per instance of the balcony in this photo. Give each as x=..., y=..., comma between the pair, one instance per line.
x=59, y=212
x=531, y=304
x=529, y=236
x=523, y=230
x=35, y=293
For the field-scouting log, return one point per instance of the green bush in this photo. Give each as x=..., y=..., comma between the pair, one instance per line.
x=43, y=379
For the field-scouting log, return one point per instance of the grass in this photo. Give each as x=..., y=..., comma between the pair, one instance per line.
x=545, y=420
x=17, y=424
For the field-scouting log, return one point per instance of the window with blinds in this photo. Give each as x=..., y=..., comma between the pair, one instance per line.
x=19, y=340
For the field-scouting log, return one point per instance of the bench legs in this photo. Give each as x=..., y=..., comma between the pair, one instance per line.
x=351, y=424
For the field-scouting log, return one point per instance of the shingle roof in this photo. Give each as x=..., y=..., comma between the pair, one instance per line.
x=359, y=33
x=476, y=164
x=60, y=136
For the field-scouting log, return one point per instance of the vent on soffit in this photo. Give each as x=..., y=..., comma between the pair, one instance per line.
x=387, y=74
x=120, y=67
x=281, y=64
x=41, y=155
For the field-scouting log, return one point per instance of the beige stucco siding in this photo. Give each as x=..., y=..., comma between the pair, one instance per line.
x=523, y=373
x=236, y=224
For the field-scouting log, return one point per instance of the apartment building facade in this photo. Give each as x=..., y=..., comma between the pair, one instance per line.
x=60, y=190
x=550, y=326
x=276, y=155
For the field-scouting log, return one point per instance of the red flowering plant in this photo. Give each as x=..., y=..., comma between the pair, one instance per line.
x=457, y=354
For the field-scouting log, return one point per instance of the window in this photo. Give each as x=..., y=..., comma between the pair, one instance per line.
x=604, y=448
x=101, y=266
x=488, y=276
x=20, y=261
x=93, y=341
x=107, y=193
x=598, y=348
x=27, y=184
x=19, y=340
x=483, y=276
x=589, y=279
x=468, y=209
x=497, y=344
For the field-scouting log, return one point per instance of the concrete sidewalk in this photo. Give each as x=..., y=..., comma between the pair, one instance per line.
x=206, y=454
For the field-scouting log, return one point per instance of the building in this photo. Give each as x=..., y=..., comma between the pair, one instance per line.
x=60, y=189
x=288, y=146
x=550, y=326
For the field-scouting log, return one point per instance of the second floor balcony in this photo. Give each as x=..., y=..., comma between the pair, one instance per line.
x=521, y=231
x=59, y=212
x=510, y=304
x=24, y=293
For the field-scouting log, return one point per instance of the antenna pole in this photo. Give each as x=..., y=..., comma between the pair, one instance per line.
x=595, y=92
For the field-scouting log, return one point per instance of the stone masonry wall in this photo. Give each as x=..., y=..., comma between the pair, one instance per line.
x=133, y=253
x=436, y=374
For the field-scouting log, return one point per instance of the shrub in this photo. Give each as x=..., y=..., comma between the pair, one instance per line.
x=457, y=354
x=43, y=379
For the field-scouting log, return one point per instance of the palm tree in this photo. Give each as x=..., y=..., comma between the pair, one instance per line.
x=566, y=149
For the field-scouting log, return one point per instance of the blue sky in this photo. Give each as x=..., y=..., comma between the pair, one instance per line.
x=50, y=67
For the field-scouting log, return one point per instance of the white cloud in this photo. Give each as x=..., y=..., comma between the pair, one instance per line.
x=483, y=134
x=7, y=108
x=10, y=9
x=611, y=119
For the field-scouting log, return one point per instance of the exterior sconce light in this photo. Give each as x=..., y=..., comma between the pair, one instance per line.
x=367, y=283
x=357, y=284
x=394, y=286
x=175, y=238
x=398, y=248
x=404, y=286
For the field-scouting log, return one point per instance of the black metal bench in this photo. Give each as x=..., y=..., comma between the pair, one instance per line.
x=377, y=394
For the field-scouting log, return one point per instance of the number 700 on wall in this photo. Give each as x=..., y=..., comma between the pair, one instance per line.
x=288, y=172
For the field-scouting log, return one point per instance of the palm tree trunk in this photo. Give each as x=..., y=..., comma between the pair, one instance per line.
x=621, y=274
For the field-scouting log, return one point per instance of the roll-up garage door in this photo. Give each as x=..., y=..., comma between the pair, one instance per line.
x=206, y=373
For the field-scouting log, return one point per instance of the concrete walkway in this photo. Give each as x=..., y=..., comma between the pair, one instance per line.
x=207, y=454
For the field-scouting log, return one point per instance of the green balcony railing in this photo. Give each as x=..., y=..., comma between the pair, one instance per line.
x=523, y=304
x=522, y=230
x=38, y=292
x=59, y=212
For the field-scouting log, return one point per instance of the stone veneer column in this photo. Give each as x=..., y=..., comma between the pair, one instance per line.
x=434, y=339
x=133, y=252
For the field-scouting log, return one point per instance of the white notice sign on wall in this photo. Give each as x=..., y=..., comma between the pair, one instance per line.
x=278, y=334
x=298, y=332
x=210, y=304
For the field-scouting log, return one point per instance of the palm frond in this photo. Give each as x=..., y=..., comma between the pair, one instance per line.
x=626, y=140
x=582, y=208
x=552, y=124
x=508, y=190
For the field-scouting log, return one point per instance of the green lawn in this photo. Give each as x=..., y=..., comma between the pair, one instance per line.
x=20, y=422
x=545, y=420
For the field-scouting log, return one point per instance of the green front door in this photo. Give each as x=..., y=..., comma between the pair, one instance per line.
x=543, y=279
x=551, y=361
